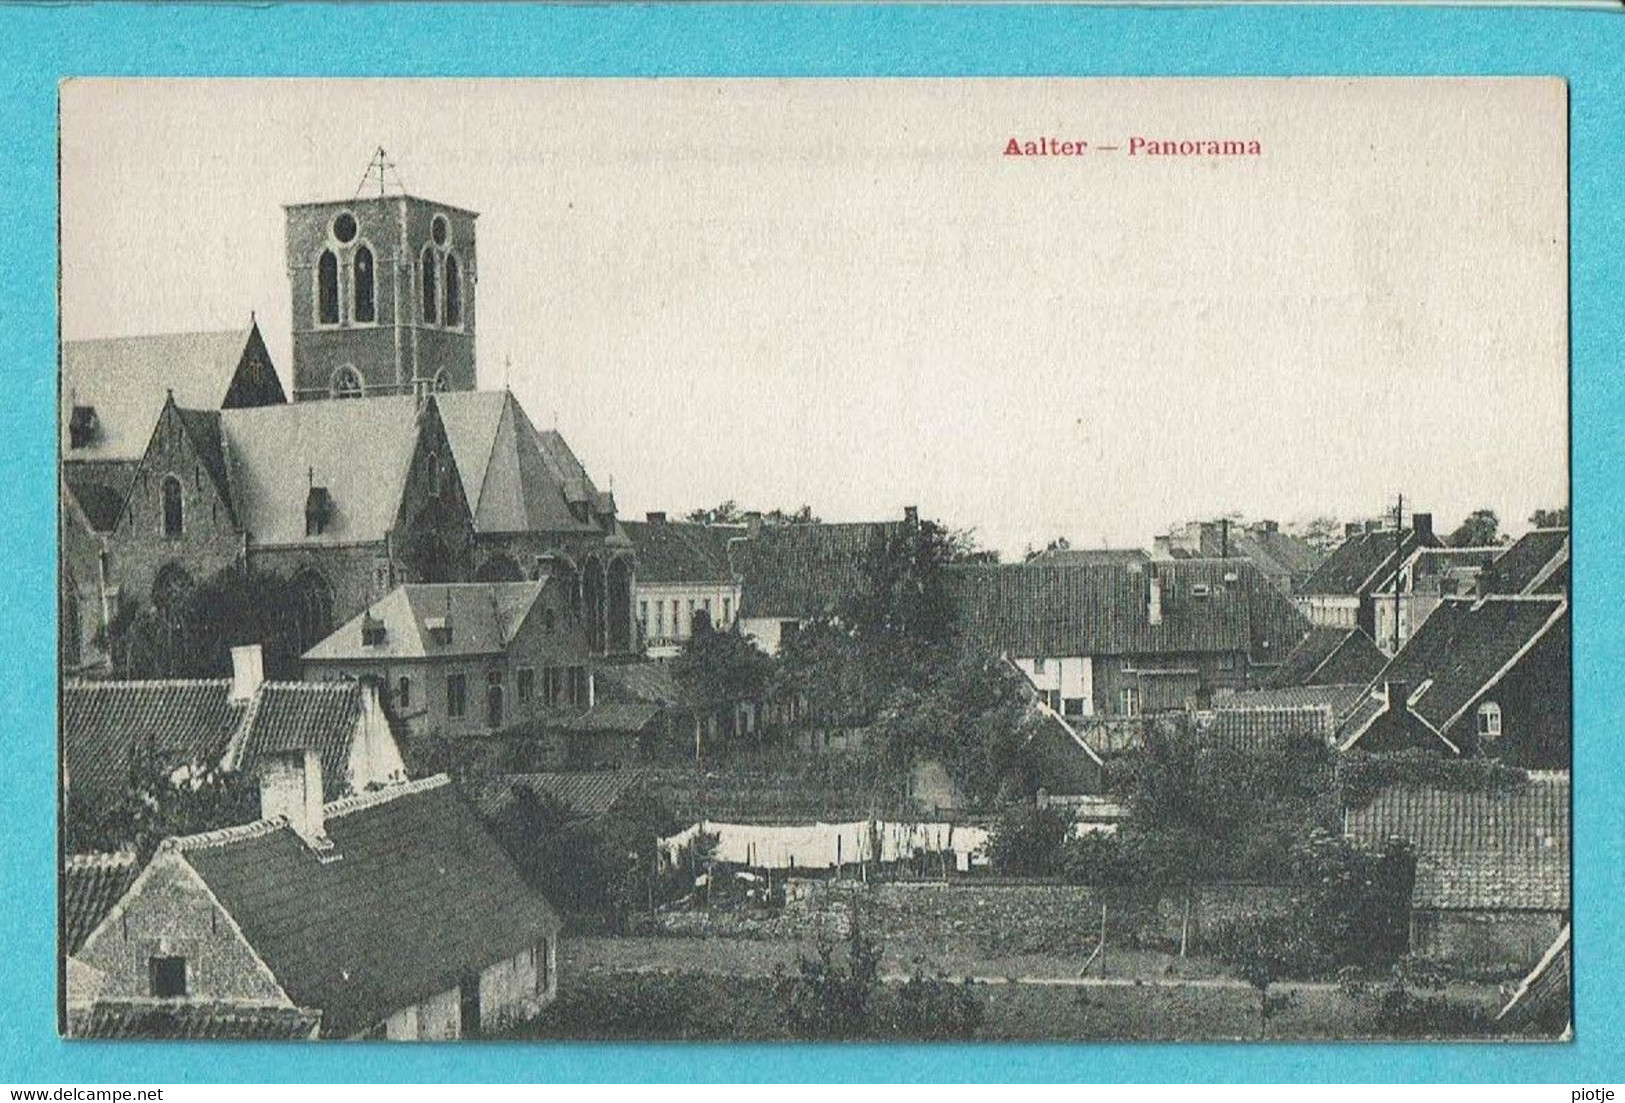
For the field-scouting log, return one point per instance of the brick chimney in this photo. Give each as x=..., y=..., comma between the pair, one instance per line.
x=753, y=523
x=1422, y=525
x=657, y=517
x=911, y=516
x=1153, y=610
x=247, y=672
x=291, y=786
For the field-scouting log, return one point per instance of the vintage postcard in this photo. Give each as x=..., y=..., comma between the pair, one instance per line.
x=747, y=560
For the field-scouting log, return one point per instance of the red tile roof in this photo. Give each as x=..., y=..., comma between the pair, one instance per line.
x=802, y=571
x=91, y=885
x=106, y=724
x=414, y=895
x=290, y=716
x=1265, y=729
x=1494, y=850
x=681, y=551
x=1030, y=610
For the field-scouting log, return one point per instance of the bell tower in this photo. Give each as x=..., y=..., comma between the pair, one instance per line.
x=383, y=292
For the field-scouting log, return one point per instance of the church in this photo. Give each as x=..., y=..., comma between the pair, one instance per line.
x=184, y=456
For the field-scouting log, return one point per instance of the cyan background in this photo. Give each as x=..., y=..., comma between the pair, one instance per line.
x=39, y=46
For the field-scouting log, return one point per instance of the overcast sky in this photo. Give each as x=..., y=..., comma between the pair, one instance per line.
x=841, y=293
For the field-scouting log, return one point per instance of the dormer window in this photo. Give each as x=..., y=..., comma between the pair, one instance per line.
x=1489, y=721
x=439, y=630
x=372, y=631
x=82, y=427
x=318, y=510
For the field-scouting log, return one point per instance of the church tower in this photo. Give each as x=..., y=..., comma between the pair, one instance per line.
x=383, y=293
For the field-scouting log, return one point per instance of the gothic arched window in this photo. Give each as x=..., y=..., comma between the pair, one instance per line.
x=454, y=292
x=431, y=286
x=365, y=308
x=174, y=507
x=312, y=608
x=327, y=289
x=346, y=383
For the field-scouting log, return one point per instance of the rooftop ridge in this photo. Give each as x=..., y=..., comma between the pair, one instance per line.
x=163, y=335
x=359, y=801
x=116, y=859
x=145, y=683
x=222, y=836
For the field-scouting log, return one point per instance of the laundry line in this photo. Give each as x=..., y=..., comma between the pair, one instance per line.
x=829, y=845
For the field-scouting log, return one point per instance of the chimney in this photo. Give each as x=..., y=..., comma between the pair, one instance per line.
x=1224, y=538
x=1398, y=694
x=1373, y=526
x=657, y=517
x=1154, y=599
x=247, y=672
x=1271, y=526
x=911, y=516
x=291, y=786
x=1422, y=525
x=1351, y=529
x=753, y=522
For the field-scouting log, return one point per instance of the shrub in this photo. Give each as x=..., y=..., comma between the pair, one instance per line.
x=1029, y=841
x=935, y=1008
x=831, y=998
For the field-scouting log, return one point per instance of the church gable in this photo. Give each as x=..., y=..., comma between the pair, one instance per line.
x=255, y=382
x=433, y=531
x=180, y=491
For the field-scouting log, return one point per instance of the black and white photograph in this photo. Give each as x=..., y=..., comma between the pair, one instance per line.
x=759, y=560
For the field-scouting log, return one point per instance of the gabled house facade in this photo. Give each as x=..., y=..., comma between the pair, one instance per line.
x=390, y=915
x=1339, y=594
x=465, y=659
x=1488, y=676
x=683, y=570
x=1114, y=641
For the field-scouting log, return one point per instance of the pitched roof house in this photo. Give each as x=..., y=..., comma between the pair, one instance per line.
x=1128, y=639
x=1329, y=656
x=1492, y=865
x=1339, y=592
x=391, y=914
x=234, y=724
x=683, y=569
x=1483, y=676
x=91, y=885
x=1284, y=559
x=1533, y=562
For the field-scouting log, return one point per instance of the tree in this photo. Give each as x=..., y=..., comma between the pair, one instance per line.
x=166, y=796
x=935, y=1008
x=1263, y=950
x=1321, y=533
x=1060, y=543
x=1482, y=529
x=194, y=639
x=719, y=669
x=1029, y=841
x=831, y=998
x=1550, y=518
x=725, y=514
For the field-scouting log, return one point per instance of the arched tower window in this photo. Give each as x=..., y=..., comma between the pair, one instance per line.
x=431, y=286
x=327, y=289
x=454, y=292
x=442, y=381
x=365, y=302
x=174, y=507
x=312, y=608
x=346, y=383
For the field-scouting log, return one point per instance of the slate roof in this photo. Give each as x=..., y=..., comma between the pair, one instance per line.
x=1329, y=656
x=680, y=551
x=515, y=478
x=1506, y=850
x=588, y=793
x=278, y=452
x=802, y=571
x=1268, y=728
x=1361, y=563
x=484, y=616
x=100, y=487
x=414, y=895
x=153, y=1018
x=127, y=379
x=1544, y=995
x=91, y=885
x=1530, y=560
x=185, y=722
x=1460, y=651
x=1030, y=611
x=203, y=429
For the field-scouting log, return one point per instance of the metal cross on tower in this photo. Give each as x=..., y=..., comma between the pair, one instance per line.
x=381, y=170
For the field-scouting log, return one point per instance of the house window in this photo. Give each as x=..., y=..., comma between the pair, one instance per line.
x=1128, y=701
x=551, y=689
x=493, y=699
x=454, y=292
x=456, y=695
x=660, y=620
x=578, y=686
x=365, y=308
x=346, y=383
x=403, y=692
x=527, y=684
x=167, y=976
x=676, y=619
x=727, y=611
x=643, y=618
x=1489, y=721
x=431, y=286
x=174, y=509
x=327, y=289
